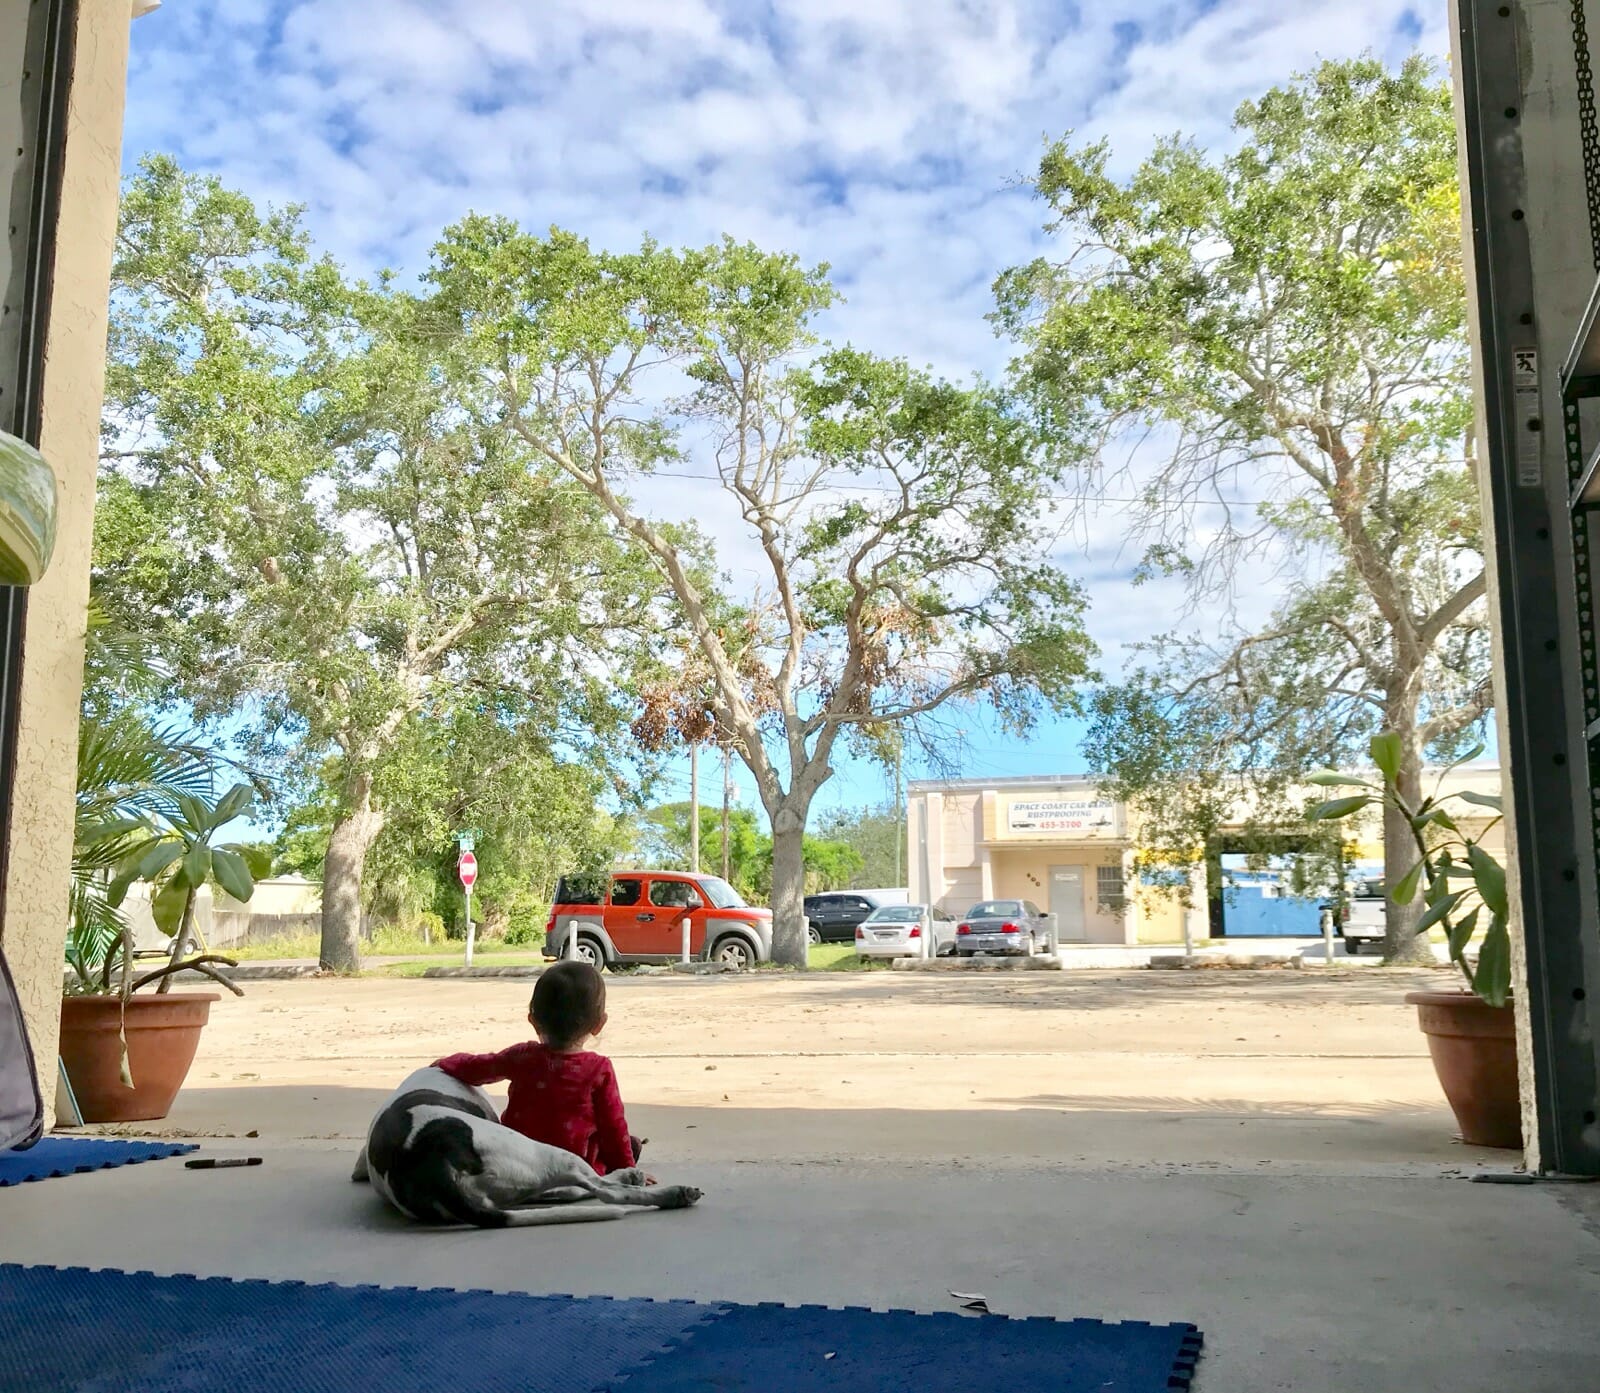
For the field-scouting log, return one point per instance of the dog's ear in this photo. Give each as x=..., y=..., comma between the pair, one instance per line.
x=359, y=1175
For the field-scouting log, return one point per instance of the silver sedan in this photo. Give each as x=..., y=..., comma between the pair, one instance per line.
x=1003, y=926
x=906, y=931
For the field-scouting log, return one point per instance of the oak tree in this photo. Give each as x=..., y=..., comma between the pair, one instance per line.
x=900, y=521
x=1269, y=345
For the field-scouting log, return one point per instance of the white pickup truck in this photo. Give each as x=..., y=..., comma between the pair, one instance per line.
x=1363, y=919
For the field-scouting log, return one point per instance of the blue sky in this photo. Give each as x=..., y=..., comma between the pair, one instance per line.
x=885, y=137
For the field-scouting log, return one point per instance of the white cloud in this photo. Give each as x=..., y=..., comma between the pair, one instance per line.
x=882, y=136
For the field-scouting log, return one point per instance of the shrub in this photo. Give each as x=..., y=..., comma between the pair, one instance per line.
x=525, y=927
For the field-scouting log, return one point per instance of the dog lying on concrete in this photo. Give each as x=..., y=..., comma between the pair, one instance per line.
x=436, y=1151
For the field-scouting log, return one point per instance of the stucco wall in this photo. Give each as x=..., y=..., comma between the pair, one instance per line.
x=1025, y=872
x=34, y=927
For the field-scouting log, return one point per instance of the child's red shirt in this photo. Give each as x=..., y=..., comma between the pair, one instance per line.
x=565, y=1100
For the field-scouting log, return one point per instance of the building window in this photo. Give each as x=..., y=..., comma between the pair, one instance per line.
x=1108, y=889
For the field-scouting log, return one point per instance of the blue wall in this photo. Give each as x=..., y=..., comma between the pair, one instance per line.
x=1249, y=914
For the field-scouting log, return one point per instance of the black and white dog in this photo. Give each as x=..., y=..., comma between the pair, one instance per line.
x=436, y=1151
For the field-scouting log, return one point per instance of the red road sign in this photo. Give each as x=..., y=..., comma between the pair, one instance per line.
x=467, y=868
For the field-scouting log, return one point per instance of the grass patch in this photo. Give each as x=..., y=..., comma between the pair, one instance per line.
x=842, y=957
x=385, y=943
x=415, y=967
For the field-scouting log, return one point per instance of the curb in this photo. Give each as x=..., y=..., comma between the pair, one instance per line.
x=976, y=964
x=1211, y=963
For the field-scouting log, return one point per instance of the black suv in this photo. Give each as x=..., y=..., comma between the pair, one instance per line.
x=832, y=917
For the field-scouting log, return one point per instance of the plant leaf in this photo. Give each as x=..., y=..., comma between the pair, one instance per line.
x=1490, y=878
x=1339, y=807
x=1467, y=758
x=145, y=862
x=1439, y=910
x=158, y=857
x=1492, y=980
x=233, y=875
x=197, y=864
x=192, y=813
x=1386, y=754
x=1483, y=800
x=1461, y=932
x=257, y=857
x=167, y=907
x=235, y=803
x=1405, y=889
x=88, y=834
x=1330, y=778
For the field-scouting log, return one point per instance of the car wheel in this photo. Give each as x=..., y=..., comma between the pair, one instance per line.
x=734, y=953
x=591, y=951
x=813, y=935
x=1352, y=946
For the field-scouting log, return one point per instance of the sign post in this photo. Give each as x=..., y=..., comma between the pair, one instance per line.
x=467, y=869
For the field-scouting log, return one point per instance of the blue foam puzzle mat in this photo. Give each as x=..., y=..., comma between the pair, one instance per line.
x=810, y=1349
x=57, y=1156
x=72, y=1330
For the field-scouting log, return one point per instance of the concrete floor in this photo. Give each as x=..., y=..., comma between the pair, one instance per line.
x=1264, y=1154
x=1310, y=1282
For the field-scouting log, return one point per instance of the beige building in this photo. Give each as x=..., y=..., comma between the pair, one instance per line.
x=1055, y=841
x=1059, y=842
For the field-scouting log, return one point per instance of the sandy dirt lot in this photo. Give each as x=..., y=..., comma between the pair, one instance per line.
x=1145, y=1069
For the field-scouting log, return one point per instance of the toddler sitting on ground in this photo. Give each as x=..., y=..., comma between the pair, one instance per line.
x=561, y=1094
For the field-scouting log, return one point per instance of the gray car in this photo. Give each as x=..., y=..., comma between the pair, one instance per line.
x=1002, y=926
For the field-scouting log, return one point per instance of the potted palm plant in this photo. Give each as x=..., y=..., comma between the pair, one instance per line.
x=1471, y=1032
x=144, y=815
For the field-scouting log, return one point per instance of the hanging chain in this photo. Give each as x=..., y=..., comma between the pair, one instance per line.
x=1588, y=127
x=1582, y=552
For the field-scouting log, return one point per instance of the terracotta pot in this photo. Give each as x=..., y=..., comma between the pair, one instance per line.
x=163, y=1033
x=1474, y=1049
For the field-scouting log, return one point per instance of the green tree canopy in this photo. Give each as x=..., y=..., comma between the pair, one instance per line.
x=311, y=502
x=900, y=519
x=1282, y=323
x=664, y=843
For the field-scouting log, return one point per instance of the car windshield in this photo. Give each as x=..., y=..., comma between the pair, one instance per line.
x=995, y=909
x=720, y=893
x=896, y=914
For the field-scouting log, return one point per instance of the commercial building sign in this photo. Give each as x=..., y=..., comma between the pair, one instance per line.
x=1062, y=817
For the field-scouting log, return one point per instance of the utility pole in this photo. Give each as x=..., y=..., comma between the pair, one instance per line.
x=694, y=807
x=727, y=797
x=899, y=812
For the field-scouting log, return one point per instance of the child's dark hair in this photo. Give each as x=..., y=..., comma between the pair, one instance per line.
x=568, y=1001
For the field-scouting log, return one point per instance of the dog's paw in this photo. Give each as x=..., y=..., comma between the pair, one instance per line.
x=679, y=1196
x=631, y=1176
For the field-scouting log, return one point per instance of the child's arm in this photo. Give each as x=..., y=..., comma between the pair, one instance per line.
x=611, y=1127
x=479, y=1069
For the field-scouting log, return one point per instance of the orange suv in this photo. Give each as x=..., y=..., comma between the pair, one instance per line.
x=639, y=917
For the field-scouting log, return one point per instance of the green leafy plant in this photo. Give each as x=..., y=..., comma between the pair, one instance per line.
x=127, y=767
x=1461, y=885
x=168, y=839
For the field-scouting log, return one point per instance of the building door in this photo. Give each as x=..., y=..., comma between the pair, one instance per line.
x=1066, y=902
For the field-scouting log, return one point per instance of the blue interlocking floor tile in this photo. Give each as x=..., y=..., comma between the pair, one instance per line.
x=57, y=1156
